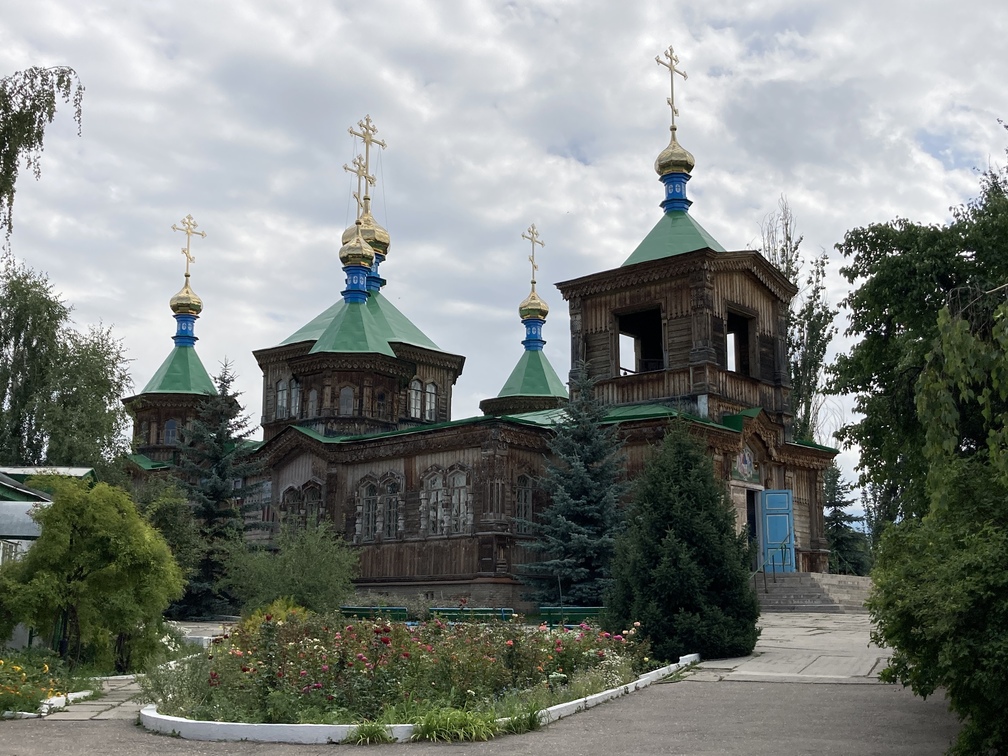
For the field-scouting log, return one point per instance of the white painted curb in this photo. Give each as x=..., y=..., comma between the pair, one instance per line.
x=48, y=705
x=314, y=734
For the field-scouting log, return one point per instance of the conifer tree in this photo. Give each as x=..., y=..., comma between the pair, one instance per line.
x=584, y=482
x=215, y=468
x=681, y=568
x=849, y=552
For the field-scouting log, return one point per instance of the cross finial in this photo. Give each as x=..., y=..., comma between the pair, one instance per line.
x=189, y=227
x=532, y=235
x=672, y=59
x=360, y=170
x=367, y=135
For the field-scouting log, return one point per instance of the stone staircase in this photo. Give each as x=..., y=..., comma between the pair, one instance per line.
x=812, y=592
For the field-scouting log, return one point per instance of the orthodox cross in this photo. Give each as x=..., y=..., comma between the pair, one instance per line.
x=532, y=235
x=367, y=135
x=672, y=59
x=360, y=171
x=189, y=227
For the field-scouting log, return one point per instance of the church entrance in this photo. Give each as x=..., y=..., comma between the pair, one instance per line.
x=777, y=522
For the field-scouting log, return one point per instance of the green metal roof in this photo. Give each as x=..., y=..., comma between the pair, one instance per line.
x=146, y=463
x=674, y=234
x=735, y=422
x=393, y=325
x=311, y=331
x=181, y=373
x=355, y=329
x=533, y=376
x=541, y=418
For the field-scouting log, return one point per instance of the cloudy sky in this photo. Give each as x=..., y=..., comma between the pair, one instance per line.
x=496, y=115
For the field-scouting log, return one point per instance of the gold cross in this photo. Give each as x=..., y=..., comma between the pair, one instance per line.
x=672, y=59
x=367, y=135
x=189, y=227
x=532, y=235
x=359, y=170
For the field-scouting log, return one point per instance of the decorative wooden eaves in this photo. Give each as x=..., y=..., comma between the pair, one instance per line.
x=451, y=362
x=320, y=362
x=285, y=353
x=681, y=266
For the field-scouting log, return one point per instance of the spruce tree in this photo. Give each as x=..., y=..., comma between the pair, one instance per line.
x=584, y=482
x=848, y=546
x=215, y=467
x=681, y=567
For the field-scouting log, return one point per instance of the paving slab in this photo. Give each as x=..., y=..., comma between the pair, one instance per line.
x=806, y=646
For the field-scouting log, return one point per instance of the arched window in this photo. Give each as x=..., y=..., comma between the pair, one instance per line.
x=369, y=512
x=390, y=509
x=415, y=398
x=171, y=433
x=434, y=496
x=312, y=403
x=281, y=400
x=312, y=504
x=458, y=494
x=523, y=504
x=295, y=392
x=346, y=401
x=430, y=402
x=292, y=507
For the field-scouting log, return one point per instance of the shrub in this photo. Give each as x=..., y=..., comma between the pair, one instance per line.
x=681, y=567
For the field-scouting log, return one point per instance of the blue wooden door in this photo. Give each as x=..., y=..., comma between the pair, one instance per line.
x=778, y=531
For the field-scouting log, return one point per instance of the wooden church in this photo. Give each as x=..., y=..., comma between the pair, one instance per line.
x=356, y=407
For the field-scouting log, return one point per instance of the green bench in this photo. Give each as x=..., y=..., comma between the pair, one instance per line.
x=471, y=613
x=392, y=613
x=568, y=616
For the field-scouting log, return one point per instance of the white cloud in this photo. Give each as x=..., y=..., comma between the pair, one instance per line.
x=497, y=114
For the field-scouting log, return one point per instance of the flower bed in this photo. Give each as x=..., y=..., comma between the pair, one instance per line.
x=27, y=679
x=329, y=670
x=190, y=729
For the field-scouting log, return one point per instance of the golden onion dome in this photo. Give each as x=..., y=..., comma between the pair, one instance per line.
x=533, y=307
x=371, y=231
x=357, y=251
x=186, y=302
x=674, y=158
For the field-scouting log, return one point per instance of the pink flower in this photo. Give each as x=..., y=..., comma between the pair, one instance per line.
x=325, y=667
x=304, y=672
x=361, y=657
x=618, y=637
x=509, y=642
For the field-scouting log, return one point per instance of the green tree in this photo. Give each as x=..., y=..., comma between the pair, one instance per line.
x=584, y=482
x=810, y=326
x=681, y=568
x=60, y=389
x=163, y=504
x=313, y=566
x=216, y=469
x=941, y=590
x=905, y=273
x=28, y=102
x=941, y=603
x=97, y=579
x=849, y=547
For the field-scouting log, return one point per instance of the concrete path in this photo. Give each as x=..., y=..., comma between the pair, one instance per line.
x=806, y=648
x=808, y=689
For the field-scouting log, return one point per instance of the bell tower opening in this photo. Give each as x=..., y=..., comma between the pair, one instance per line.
x=641, y=347
x=738, y=343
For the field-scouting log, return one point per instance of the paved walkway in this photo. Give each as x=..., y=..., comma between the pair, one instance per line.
x=810, y=687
